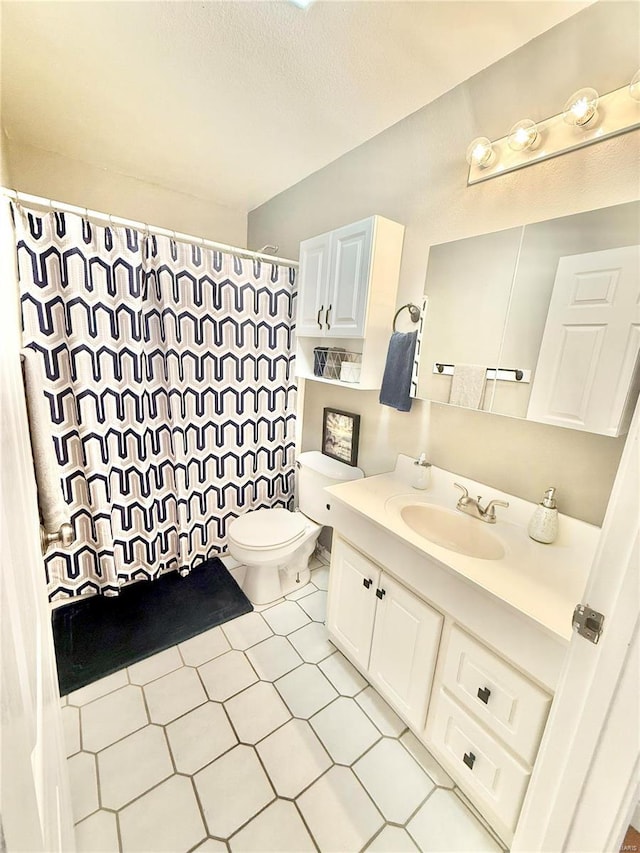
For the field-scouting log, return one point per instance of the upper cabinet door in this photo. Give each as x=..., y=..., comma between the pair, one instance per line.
x=312, y=289
x=584, y=376
x=349, y=280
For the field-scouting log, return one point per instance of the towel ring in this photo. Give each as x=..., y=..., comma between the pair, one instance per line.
x=414, y=313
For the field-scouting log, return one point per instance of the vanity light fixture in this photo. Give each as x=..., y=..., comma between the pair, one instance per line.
x=582, y=108
x=586, y=118
x=480, y=152
x=524, y=134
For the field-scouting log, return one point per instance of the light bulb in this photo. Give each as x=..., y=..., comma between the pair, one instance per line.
x=523, y=135
x=634, y=86
x=581, y=108
x=480, y=152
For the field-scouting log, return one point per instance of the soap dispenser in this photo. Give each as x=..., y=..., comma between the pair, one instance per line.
x=543, y=526
x=422, y=472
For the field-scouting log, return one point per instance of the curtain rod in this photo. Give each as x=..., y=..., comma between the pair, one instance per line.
x=142, y=226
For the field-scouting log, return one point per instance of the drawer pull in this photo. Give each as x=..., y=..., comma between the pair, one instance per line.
x=483, y=694
x=380, y=592
x=367, y=582
x=469, y=759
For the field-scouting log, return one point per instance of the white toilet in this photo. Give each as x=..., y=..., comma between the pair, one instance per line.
x=274, y=544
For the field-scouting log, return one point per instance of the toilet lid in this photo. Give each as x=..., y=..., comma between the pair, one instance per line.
x=267, y=528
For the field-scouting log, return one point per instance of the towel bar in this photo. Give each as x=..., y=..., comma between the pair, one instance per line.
x=414, y=313
x=504, y=374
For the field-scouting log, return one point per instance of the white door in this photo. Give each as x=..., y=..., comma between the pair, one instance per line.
x=349, y=279
x=351, y=604
x=590, y=343
x=312, y=288
x=586, y=779
x=34, y=788
x=405, y=646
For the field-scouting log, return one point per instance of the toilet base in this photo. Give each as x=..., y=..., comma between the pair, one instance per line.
x=264, y=583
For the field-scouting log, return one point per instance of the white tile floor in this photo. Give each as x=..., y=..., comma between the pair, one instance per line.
x=256, y=736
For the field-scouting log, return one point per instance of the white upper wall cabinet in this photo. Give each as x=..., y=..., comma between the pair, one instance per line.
x=589, y=353
x=346, y=300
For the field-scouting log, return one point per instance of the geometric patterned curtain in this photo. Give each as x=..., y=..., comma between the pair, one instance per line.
x=169, y=376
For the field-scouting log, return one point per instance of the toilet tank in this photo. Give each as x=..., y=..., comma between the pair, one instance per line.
x=315, y=471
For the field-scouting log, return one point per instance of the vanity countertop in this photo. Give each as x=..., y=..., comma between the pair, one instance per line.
x=544, y=582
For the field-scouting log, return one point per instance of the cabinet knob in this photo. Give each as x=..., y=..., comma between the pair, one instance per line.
x=320, y=309
x=469, y=759
x=380, y=592
x=367, y=582
x=483, y=694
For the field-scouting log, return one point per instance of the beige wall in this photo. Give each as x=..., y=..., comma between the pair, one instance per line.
x=415, y=173
x=32, y=170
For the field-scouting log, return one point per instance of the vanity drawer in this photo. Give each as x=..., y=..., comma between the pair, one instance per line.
x=500, y=697
x=483, y=766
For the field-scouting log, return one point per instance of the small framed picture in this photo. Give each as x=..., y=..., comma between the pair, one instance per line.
x=340, y=434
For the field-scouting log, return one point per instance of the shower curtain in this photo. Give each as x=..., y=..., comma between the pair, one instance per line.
x=169, y=376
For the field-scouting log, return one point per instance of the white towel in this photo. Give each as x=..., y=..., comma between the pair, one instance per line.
x=467, y=385
x=53, y=509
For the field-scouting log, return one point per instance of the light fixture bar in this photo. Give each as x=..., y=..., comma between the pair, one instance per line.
x=618, y=113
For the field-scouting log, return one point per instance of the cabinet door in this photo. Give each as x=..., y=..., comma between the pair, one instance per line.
x=405, y=647
x=312, y=288
x=349, y=279
x=590, y=342
x=352, y=601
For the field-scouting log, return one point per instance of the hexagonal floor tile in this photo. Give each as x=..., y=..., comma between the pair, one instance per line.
x=227, y=675
x=232, y=790
x=315, y=605
x=199, y=737
x=246, y=631
x=83, y=783
x=436, y=773
x=133, y=766
x=395, y=782
x=305, y=690
x=273, y=658
x=256, y=712
x=294, y=758
x=392, y=839
x=445, y=823
x=312, y=642
x=155, y=666
x=98, y=688
x=285, y=618
x=165, y=820
x=338, y=811
x=278, y=829
x=343, y=675
x=320, y=577
x=98, y=833
x=203, y=647
x=380, y=713
x=174, y=694
x=345, y=730
x=112, y=717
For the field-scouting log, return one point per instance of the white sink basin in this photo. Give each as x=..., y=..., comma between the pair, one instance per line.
x=453, y=530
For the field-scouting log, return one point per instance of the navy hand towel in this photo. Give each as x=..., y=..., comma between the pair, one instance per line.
x=396, y=382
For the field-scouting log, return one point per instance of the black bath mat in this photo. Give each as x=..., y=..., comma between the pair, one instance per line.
x=98, y=635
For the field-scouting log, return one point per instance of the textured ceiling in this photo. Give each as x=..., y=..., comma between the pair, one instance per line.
x=236, y=101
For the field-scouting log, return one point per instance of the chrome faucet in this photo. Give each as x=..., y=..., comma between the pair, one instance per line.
x=472, y=506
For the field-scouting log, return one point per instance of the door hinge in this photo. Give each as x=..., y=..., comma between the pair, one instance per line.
x=587, y=622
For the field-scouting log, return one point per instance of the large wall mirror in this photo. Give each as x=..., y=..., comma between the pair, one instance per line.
x=548, y=313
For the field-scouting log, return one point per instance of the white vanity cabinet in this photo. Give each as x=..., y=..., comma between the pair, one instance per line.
x=482, y=717
x=390, y=633
x=347, y=288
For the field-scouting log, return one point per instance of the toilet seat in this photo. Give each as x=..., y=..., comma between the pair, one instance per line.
x=264, y=529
